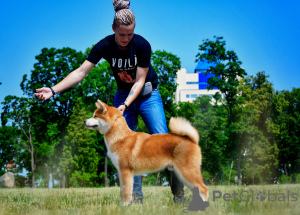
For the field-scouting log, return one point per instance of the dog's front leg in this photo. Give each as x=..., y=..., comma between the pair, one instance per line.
x=126, y=182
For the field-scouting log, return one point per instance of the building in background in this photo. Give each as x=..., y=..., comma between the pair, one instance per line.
x=192, y=85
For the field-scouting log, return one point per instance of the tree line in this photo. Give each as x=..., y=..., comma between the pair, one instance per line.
x=251, y=138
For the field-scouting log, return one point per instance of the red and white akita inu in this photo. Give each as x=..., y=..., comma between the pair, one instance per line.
x=136, y=153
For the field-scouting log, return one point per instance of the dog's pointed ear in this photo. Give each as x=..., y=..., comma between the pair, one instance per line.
x=101, y=106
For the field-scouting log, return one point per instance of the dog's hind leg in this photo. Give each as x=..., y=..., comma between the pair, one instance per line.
x=126, y=182
x=191, y=177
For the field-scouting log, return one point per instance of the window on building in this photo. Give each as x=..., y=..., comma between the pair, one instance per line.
x=194, y=96
x=187, y=96
x=196, y=83
x=200, y=70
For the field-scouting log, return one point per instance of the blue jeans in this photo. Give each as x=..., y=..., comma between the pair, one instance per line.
x=151, y=110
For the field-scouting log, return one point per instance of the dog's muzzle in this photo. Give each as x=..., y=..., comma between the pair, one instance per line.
x=87, y=124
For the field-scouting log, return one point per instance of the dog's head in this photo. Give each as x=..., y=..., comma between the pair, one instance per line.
x=103, y=118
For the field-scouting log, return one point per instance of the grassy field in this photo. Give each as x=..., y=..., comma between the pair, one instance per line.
x=157, y=200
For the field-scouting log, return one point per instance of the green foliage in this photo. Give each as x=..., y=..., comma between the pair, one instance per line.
x=151, y=179
x=227, y=71
x=295, y=178
x=8, y=146
x=166, y=66
x=141, y=127
x=210, y=123
x=287, y=129
x=255, y=130
x=82, y=179
x=19, y=111
x=80, y=160
x=285, y=179
x=20, y=181
x=259, y=119
x=207, y=177
x=186, y=110
x=42, y=183
x=52, y=66
x=99, y=84
x=229, y=175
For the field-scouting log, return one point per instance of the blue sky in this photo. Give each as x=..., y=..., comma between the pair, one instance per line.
x=264, y=34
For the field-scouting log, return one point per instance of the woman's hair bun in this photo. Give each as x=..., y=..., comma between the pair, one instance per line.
x=121, y=4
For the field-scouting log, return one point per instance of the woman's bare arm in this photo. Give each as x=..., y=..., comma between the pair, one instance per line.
x=72, y=79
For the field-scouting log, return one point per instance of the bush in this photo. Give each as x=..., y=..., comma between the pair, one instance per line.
x=20, y=181
x=297, y=178
x=151, y=179
x=285, y=179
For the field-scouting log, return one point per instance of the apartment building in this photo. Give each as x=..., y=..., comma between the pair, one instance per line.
x=193, y=84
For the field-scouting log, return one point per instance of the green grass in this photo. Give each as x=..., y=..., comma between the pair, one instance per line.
x=157, y=200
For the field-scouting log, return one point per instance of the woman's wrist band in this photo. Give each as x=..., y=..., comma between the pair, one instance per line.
x=124, y=105
x=52, y=91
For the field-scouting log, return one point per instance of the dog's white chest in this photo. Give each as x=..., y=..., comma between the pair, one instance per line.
x=112, y=156
x=114, y=159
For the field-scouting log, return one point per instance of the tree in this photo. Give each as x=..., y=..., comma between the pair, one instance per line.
x=53, y=65
x=186, y=110
x=19, y=112
x=8, y=146
x=255, y=123
x=227, y=71
x=80, y=159
x=17, y=109
x=210, y=123
x=100, y=84
x=287, y=129
x=166, y=66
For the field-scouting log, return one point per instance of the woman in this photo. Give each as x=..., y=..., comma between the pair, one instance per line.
x=129, y=57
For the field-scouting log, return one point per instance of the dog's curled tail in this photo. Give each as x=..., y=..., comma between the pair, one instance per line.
x=183, y=127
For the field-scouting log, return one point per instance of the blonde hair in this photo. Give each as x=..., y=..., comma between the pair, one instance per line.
x=123, y=15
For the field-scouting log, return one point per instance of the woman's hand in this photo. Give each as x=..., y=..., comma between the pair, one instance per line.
x=44, y=93
x=122, y=108
x=73, y=78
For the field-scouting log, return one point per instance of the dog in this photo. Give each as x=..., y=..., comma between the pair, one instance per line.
x=136, y=153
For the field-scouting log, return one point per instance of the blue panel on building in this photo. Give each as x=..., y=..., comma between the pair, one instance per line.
x=202, y=78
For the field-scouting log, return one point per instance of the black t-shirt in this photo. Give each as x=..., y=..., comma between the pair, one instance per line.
x=124, y=63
